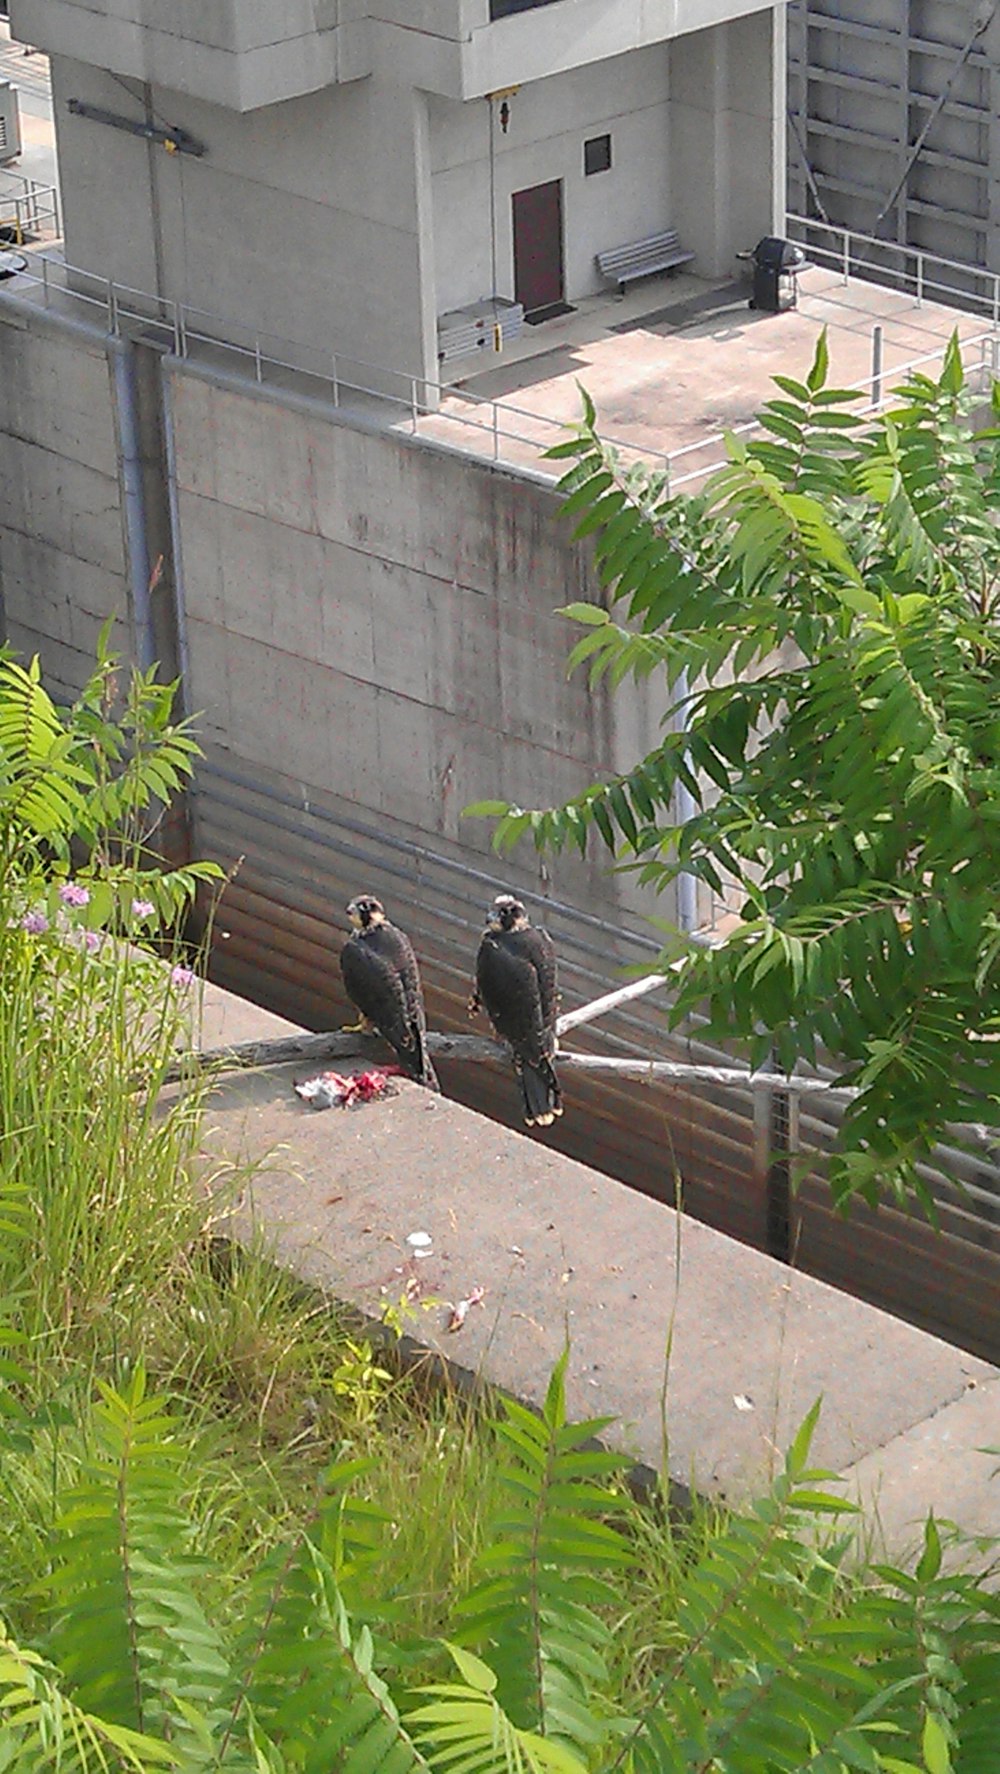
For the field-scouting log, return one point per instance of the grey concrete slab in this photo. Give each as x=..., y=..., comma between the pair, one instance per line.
x=223, y=1019
x=563, y=1251
x=949, y=1463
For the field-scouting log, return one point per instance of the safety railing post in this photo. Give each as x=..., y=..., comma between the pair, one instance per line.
x=847, y=256
x=112, y=308
x=496, y=432
x=45, y=281
x=920, y=280
x=414, y=408
x=258, y=365
x=334, y=379
x=876, y=366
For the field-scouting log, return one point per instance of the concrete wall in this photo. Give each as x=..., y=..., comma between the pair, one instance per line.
x=364, y=612
x=308, y=220
x=626, y=97
x=63, y=560
x=727, y=122
x=377, y=619
x=250, y=53
x=239, y=53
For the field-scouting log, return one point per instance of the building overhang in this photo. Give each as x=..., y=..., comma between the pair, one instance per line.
x=245, y=54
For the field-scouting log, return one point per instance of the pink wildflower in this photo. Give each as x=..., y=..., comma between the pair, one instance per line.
x=71, y=893
x=181, y=976
x=34, y=923
x=142, y=908
x=91, y=941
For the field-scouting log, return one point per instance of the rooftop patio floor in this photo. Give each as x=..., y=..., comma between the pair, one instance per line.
x=673, y=364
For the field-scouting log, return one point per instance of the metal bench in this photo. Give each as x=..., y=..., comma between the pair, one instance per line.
x=660, y=252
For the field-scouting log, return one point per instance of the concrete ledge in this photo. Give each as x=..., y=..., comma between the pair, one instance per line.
x=564, y=1251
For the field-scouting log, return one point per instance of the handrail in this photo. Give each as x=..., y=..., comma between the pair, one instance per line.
x=26, y=210
x=498, y=423
x=922, y=260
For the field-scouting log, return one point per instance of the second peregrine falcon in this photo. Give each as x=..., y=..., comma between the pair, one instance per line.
x=516, y=983
x=380, y=973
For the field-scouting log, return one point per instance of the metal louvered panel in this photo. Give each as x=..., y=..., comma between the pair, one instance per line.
x=277, y=939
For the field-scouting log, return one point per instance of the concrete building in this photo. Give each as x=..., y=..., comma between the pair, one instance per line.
x=343, y=172
x=894, y=112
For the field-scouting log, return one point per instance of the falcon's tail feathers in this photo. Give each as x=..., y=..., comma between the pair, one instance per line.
x=542, y=1096
x=416, y=1061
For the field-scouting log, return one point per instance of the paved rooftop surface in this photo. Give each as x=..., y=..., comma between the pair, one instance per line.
x=676, y=361
x=561, y=1250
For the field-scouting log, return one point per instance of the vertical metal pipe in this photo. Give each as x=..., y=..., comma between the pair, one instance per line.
x=176, y=548
x=687, y=883
x=847, y=256
x=122, y=356
x=876, y=365
x=779, y=1178
x=920, y=280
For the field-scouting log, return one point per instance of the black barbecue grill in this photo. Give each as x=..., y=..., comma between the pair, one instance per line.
x=775, y=259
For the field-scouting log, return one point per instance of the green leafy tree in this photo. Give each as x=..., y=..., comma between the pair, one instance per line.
x=824, y=614
x=82, y=793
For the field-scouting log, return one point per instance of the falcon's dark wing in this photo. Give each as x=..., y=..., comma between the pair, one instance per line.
x=380, y=973
x=516, y=981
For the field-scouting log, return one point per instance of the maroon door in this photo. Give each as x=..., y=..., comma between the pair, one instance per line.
x=538, y=246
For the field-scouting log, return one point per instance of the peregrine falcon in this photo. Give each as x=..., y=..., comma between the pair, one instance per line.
x=380, y=973
x=516, y=983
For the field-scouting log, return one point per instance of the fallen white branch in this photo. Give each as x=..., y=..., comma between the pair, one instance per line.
x=341, y=1044
x=480, y=1049
x=651, y=1071
x=588, y=1013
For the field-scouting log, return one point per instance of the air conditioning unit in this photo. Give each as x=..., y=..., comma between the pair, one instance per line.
x=10, y=122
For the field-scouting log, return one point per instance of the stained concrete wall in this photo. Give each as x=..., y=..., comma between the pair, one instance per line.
x=63, y=560
x=361, y=611
x=377, y=619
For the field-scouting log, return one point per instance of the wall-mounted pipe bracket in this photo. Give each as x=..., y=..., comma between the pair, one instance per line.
x=174, y=141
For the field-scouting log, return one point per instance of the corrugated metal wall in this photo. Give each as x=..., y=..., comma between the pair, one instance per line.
x=866, y=80
x=277, y=940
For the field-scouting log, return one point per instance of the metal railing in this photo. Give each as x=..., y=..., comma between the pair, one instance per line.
x=452, y=418
x=28, y=210
x=910, y=268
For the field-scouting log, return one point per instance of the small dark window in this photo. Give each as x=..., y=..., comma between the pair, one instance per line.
x=597, y=155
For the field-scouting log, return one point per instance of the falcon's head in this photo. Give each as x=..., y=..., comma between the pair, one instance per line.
x=507, y=913
x=365, y=912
